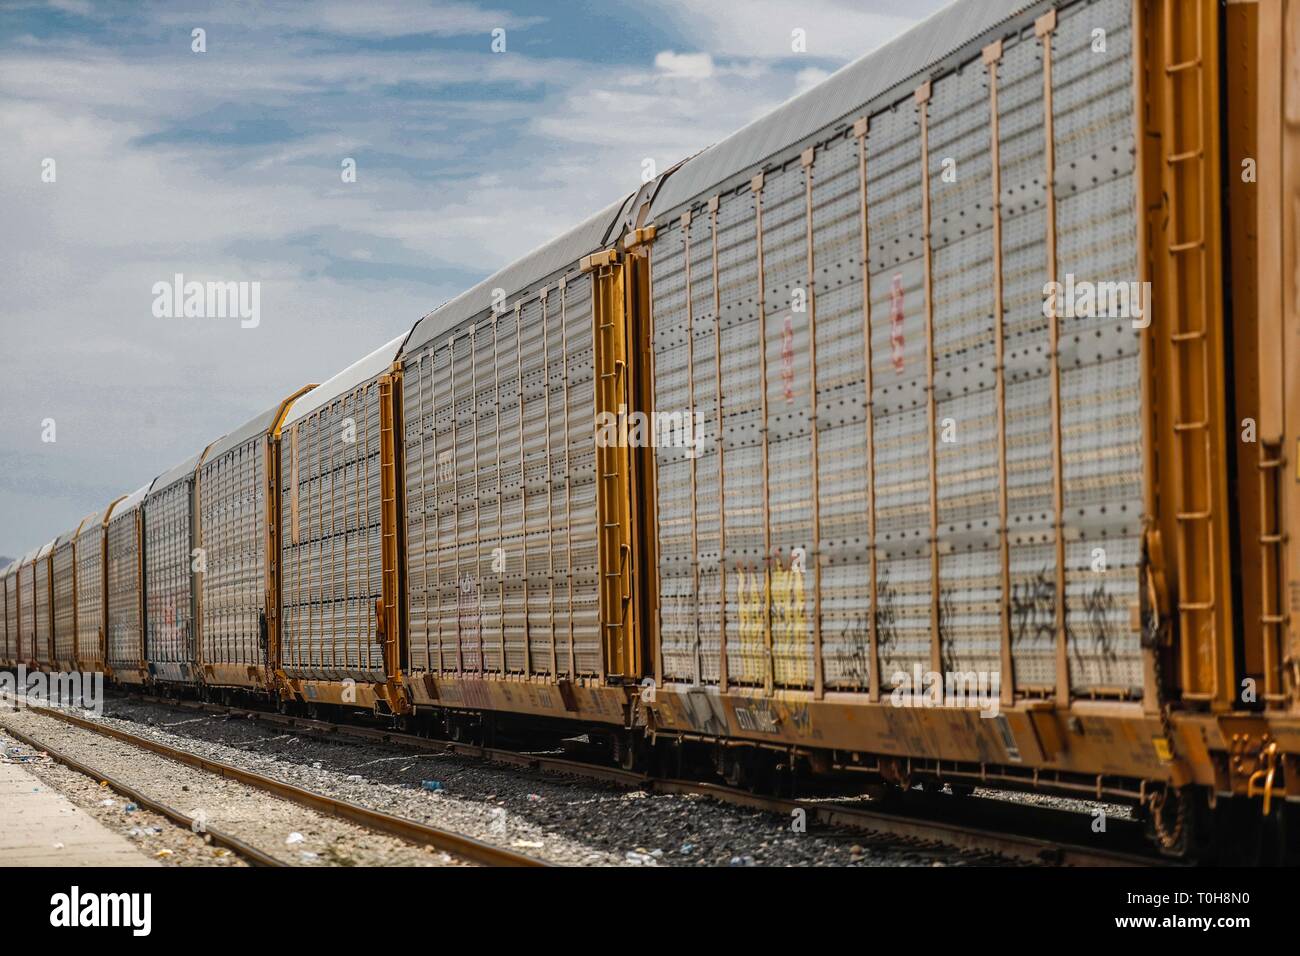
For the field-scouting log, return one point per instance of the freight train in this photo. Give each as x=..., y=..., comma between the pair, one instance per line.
x=998, y=485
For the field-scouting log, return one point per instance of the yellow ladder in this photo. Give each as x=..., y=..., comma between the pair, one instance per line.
x=1190, y=292
x=620, y=656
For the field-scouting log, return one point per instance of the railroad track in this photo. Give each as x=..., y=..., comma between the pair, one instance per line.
x=902, y=823
x=412, y=831
x=218, y=837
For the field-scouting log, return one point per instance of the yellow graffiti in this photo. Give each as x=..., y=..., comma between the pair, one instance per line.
x=781, y=591
x=789, y=627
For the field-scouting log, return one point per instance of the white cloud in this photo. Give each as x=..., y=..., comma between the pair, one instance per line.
x=445, y=194
x=838, y=29
x=698, y=66
x=807, y=78
x=369, y=19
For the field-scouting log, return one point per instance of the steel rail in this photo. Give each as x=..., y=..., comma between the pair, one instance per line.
x=410, y=830
x=234, y=844
x=895, y=823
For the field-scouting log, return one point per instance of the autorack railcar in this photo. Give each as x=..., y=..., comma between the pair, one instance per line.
x=956, y=356
x=238, y=532
x=125, y=574
x=9, y=583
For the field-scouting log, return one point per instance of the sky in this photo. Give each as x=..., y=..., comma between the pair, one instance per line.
x=127, y=156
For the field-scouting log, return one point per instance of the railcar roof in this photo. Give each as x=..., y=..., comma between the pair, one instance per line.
x=545, y=261
x=346, y=380
x=257, y=425
x=840, y=96
x=91, y=521
x=173, y=475
x=132, y=500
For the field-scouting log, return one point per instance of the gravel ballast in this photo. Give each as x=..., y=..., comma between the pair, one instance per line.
x=559, y=819
x=291, y=833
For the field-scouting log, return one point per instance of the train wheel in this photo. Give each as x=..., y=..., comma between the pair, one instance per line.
x=734, y=767
x=630, y=750
x=1175, y=822
x=462, y=730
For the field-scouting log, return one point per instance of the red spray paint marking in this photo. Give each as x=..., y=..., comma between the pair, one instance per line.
x=896, y=322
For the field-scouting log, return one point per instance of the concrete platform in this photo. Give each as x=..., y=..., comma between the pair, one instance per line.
x=34, y=818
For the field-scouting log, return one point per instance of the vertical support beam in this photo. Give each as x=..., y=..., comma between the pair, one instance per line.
x=1272, y=36
x=1044, y=27
x=437, y=505
x=1289, y=280
x=389, y=390
x=316, y=537
x=479, y=638
x=724, y=677
x=141, y=570
x=494, y=318
x=523, y=488
x=568, y=467
x=992, y=56
x=690, y=385
x=769, y=675
x=860, y=128
x=922, y=97
x=358, y=399
x=544, y=295
x=501, y=536
x=1152, y=552
x=434, y=613
x=1263, y=52
x=806, y=160
x=654, y=621
x=418, y=371
x=455, y=502
x=329, y=574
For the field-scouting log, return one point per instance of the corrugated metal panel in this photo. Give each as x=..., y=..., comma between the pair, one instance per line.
x=44, y=616
x=899, y=407
x=10, y=652
x=169, y=583
x=331, y=542
x=232, y=514
x=1028, y=390
x=521, y=278
x=27, y=612
x=65, y=623
x=1101, y=395
x=842, y=413
x=500, y=492
x=767, y=615
x=843, y=95
x=125, y=642
x=90, y=595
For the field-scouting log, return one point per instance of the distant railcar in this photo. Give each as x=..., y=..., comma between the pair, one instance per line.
x=339, y=625
x=125, y=574
x=238, y=531
x=502, y=479
x=91, y=584
x=63, y=568
x=9, y=584
x=41, y=648
x=168, y=536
